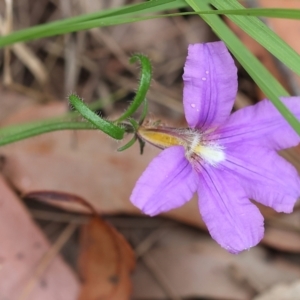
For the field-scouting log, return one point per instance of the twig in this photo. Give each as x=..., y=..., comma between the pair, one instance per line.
x=151, y=264
x=7, y=28
x=160, y=277
x=58, y=216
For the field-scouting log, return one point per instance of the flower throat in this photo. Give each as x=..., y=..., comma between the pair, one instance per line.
x=197, y=149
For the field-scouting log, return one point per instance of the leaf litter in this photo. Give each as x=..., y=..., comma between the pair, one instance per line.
x=174, y=261
x=30, y=267
x=105, y=260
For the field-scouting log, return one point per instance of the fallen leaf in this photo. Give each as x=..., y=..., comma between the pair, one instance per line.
x=186, y=263
x=105, y=262
x=284, y=232
x=61, y=199
x=281, y=292
x=12, y=102
x=106, y=259
x=23, y=246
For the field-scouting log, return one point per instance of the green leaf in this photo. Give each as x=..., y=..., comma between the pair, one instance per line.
x=280, y=13
x=16, y=133
x=270, y=86
x=128, y=145
x=262, y=34
x=107, y=127
x=87, y=21
x=69, y=121
x=146, y=75
x=144, y=112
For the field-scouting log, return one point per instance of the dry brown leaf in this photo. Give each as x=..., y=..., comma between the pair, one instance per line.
x=22, y=248
x=12, y=102
x=282, y=239
x=193, y=265
x=284, y=232
x=105, y=262
x=61, y=199
x=282, y=292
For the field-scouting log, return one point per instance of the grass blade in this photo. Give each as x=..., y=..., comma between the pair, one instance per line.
x=262, y=34
x=87, y=21
x=263, y=78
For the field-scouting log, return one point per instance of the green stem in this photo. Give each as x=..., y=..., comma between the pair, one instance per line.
x=146, y=75
x=107, y=127
x=11, y=136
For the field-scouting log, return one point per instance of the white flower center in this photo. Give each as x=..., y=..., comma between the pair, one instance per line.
x=211, y=152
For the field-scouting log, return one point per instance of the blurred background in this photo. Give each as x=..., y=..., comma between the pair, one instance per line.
x=58, y=251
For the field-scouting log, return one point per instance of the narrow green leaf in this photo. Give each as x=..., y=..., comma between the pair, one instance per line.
x=128, y=145
x=134, y=123
x=144, y=112
x=270, y=86
x=69, y=121
x=16, y=133
x=262, y=34
x=279, y=13
x=107, y=127
x=146, y=75
x=87, y=21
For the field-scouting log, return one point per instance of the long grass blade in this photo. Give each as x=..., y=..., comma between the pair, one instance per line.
x=270, y=86
x=262, y=34
x=103, y=18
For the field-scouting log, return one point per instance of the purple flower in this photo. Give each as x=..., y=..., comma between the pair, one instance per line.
x=227, y=159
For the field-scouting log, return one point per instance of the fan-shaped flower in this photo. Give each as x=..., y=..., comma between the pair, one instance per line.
x=227, y=159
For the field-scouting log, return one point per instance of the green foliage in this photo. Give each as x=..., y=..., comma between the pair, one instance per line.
x=262, y=34
x=146, y=75
x=264, y=79
x=104, y=18
x=16, y=133
x=114, y=129
x=246, y=19
x=107, y=127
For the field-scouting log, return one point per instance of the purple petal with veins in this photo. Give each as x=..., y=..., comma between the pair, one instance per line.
x=167, y=183
x=232, y=220
x=261, y=123
x=227, y=159
x=264, y=175
x=210, y=85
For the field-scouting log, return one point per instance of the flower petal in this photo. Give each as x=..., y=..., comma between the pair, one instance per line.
x=168, y=182
x=266, y=177
x=262, y=123
x=210, y=84
x=232, y=220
